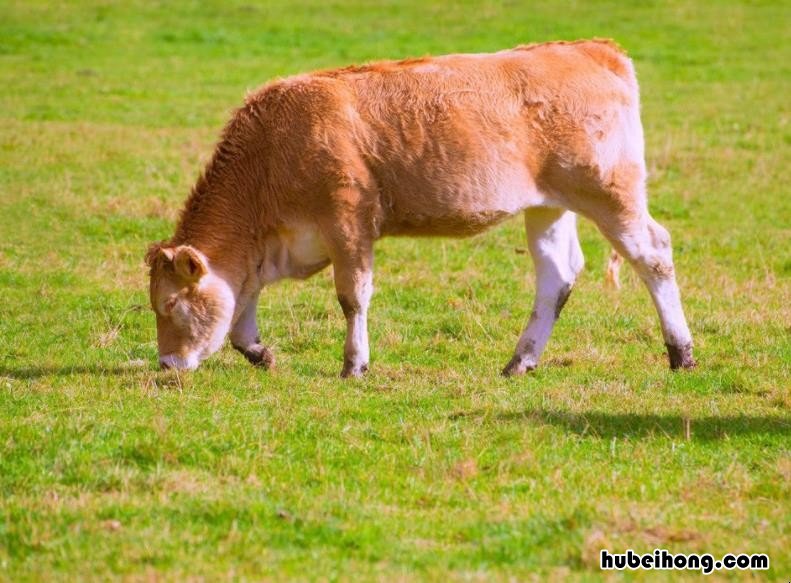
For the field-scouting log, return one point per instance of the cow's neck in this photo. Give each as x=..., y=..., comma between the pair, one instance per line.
x=231, y=250
x=231, y=221
x=286, y=252
x=250, y=254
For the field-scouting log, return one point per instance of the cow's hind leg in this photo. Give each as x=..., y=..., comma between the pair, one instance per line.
x=554, y=246
x=646, y=245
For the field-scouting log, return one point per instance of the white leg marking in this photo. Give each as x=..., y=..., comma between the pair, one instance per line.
x=356, y=351
x=245, y=339
x=554, y=246
x=647, y=246
x=245, y=331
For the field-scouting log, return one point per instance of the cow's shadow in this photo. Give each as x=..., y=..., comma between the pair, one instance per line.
x=34, y=372
x=637, y=425
x=593, y=424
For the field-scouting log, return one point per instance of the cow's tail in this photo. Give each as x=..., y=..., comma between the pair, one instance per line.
x=612, y=275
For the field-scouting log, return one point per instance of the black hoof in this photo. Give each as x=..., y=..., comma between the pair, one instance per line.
x=258, y=355
x=349, y=370
x=680, y=356
x=517, y=366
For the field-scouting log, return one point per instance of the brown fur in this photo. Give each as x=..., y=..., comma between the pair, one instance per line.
x=386, y=142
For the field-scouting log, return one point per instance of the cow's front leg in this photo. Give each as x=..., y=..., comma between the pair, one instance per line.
x=354, y=285
x=245, y=338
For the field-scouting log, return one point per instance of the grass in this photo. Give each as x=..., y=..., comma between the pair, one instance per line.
x=433, y=466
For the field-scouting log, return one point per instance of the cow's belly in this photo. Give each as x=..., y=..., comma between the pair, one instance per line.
x=459, y=204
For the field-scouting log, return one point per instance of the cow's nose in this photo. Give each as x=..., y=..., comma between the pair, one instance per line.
x=174, y=361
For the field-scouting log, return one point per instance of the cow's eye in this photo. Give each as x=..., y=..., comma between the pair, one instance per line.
x=170, y=304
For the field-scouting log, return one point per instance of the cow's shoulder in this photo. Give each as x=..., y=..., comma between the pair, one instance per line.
x=306, y=96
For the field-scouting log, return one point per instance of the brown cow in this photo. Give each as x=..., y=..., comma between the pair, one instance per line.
x=314, y=168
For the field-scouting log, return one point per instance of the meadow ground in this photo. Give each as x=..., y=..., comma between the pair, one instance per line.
x=433, y=466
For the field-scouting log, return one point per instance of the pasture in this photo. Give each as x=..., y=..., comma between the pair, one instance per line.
x=432, y=466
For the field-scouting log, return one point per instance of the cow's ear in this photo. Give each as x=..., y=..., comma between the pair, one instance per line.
x=157, y=251
x=189, y=264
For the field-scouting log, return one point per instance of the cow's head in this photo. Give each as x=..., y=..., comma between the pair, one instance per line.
x=193, y=305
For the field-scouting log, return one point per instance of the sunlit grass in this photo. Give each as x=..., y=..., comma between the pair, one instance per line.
x=432, y=466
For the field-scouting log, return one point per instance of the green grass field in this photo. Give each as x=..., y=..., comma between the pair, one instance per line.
x=433, y=466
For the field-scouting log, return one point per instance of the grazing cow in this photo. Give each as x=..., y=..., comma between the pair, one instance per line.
x=314, y=168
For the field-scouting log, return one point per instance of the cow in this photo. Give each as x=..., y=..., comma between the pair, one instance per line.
x=314, y=168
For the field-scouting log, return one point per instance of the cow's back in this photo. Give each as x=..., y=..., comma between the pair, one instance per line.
x=456, y=143
x=447, y=145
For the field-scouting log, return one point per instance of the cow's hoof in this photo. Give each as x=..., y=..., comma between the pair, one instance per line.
x=680, y=356
x=351, y=370
x=517, y=366
x=258, y=355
